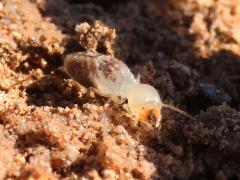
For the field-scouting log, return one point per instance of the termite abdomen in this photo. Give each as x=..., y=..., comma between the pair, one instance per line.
x=106, y=74
x=80, y=68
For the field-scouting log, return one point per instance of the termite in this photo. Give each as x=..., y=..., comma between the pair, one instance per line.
x=112, y=78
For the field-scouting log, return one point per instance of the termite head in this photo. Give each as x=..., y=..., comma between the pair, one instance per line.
x=144, y=102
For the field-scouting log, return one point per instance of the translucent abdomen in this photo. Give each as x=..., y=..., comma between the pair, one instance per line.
x=81, y=67
x=107, y=74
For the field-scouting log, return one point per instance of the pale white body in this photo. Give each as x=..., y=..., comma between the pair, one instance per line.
x=113, y=78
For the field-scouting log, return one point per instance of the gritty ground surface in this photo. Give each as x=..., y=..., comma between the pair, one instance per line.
x=53, y=128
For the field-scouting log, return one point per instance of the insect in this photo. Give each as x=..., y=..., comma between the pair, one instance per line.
x=112, y=78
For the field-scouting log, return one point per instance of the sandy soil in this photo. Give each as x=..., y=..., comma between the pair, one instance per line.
x=53, y=128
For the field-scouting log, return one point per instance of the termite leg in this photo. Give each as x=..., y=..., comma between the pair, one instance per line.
x=138, y=78
x=115, y=99
x=158, y=123
x=149, y=126
x=98, y=92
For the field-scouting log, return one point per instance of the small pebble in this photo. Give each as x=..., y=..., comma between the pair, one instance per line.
x=214, y=94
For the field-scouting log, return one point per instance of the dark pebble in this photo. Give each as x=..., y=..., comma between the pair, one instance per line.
x=214, y=94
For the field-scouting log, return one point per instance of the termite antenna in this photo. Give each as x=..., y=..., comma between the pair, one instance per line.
x=15, y=84
x=177, y=110
x=19, y=82
x=32, y=76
